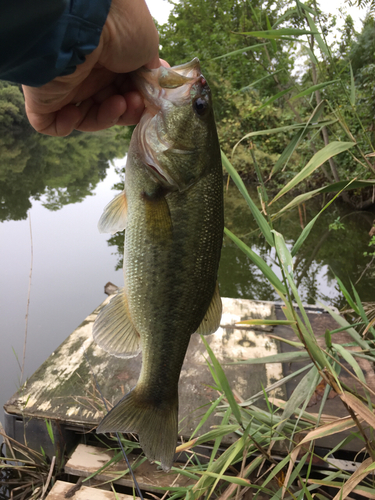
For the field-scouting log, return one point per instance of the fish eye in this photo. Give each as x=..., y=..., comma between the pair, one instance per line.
x=200, y=106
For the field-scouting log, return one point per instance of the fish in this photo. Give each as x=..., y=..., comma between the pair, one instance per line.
x=172, y=212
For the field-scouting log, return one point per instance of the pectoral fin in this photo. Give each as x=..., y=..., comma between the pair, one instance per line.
x=113, y=330
x=211, y=320
x=114, y=216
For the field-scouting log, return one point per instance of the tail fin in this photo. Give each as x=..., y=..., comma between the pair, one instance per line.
x=156, y=426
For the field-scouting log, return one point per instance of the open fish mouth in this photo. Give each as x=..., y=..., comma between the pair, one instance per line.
x=162, y=89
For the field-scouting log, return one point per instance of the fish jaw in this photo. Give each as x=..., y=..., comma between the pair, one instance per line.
x=171, y=137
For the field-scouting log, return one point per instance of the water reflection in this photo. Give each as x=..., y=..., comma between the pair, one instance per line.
x=326, y=252
x=65, y=170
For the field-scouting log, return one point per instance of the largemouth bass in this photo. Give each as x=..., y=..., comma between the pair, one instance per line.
x=172, y=212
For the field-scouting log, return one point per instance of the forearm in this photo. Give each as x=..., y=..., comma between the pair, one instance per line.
x=42, y=40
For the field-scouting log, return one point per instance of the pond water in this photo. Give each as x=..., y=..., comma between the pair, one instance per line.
x=72, y=262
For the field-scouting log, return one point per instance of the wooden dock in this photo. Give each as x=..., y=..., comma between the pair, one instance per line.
x=63, y=390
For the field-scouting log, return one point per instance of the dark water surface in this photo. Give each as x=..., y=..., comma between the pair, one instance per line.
x=72, y=261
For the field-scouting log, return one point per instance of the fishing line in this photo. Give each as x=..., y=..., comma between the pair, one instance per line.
x=117, y=434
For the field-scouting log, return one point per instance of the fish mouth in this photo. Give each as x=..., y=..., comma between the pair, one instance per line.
x=162, y=88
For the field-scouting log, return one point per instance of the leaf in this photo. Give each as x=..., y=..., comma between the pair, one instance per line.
x=354, y=479
x=287, y=153
x=261, y=221
x=356, y=404
x=313, y=88
x=332, y=149
x=223, y=382
x=211, y=409
x=346, y=294
x=274, y=98
x=269, y=28
x=283, y=252
x=307, y=229
x=315, y=31
x=331, y=188
x=229, y=479
x=280, y=33
x=302, y=393
x=260, y=80
x=342, y=321
x=221, y=431
x=281, y=357
x=352, y=86
x=285, y=128
x=311, y=54
x=240, y=51
x=258, y=261
x=266, y=322
x=322, y=431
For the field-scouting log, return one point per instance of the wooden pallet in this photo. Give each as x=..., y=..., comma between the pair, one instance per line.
x=62, y=488
x=88, y=459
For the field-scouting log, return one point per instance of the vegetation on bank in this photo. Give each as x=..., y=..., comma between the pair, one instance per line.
x=282, y=86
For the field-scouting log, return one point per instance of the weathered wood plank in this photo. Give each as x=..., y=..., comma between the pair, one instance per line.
x=61, y=488
x=88, y=459
x=63, y=390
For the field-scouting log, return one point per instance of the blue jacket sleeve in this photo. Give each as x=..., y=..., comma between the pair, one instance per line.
x=43, y=39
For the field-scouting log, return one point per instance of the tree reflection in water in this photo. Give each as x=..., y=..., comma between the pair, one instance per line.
x=62, y=170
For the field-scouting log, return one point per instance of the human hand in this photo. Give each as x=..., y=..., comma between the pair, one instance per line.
x=99, y=94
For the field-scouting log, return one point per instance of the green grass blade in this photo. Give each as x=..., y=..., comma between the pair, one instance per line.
x=258, y=261
x=274, y=98
x=279, y=34
x=275, y=385
x=281, y=357
x=311, y=54
x=269, y=28
x=352, y=86
x=224, y=383
x=260, y=79
x=347, y=295
x=317, y=36
x=311, y=123
x=285, y=128
x=50, y=430
x=332, y=149
x=302, y=393
x=331, y=188
x=209, y=412
x=342, y=321
x=266, y=322
x=287, y=153
x=221, y=431
x=307, y=229
x=239, y=51
x=356, y=368
x=261, y=221
x=313, y=88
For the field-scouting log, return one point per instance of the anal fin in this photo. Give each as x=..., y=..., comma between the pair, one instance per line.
x=114, y=331
x=211, y=320
x=114, y=216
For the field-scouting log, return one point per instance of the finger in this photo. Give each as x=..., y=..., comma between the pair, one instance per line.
x=58, y=123
x=101, y=116
x=134, y=109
